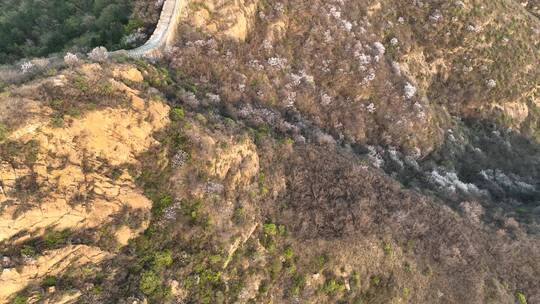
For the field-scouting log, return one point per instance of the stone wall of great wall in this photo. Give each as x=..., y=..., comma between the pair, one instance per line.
x=165, y=32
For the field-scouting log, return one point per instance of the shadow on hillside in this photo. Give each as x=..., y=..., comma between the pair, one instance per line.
x=478, y=161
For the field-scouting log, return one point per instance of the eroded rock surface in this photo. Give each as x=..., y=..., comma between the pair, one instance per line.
x=51, y=263
x=71, y=173
x=232, y=19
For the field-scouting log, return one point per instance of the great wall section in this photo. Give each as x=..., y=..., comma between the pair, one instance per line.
x=165, y=32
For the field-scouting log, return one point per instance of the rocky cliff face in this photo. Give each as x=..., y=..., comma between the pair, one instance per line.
x=284, y=152
x=67, y=172
x=231, y=19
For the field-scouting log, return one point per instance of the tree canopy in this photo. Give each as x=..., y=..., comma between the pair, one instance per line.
x=30, y=28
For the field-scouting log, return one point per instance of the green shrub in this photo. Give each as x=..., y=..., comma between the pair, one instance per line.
x=133, y=25
x=521, y=298
x=262, y=184
x=332, y=286
x=387, y=249
x=149, y=283
x=270, y=229
x=239, y=216
x=49, y=281
x=177, y=114
x=55, y=238
x=201, y=118
x=193, y=211
x=3, y=132
x=28, y=251
x=407, y=267
x=522, y=210
x=209, y=276
x=215, y=259
x=261, y=133
x=57, y=122
x=288, y=253
x=282, y=230
x=51, y=72
x=375, y=280
x=179, y=141
x=264, y=287
x=16, y=150
x=319, y=263
x=275, y=268
x=160, y=205
x=358, y=300
x=20, y=299
x=97, y=290
x=162, y=294
x=163, y=259
x=81, y=84
x=299, y=282
x=354, y=281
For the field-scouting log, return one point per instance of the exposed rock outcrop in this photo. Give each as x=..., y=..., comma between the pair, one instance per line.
x=71, y=173
x=232, y=19
x=50, y=264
